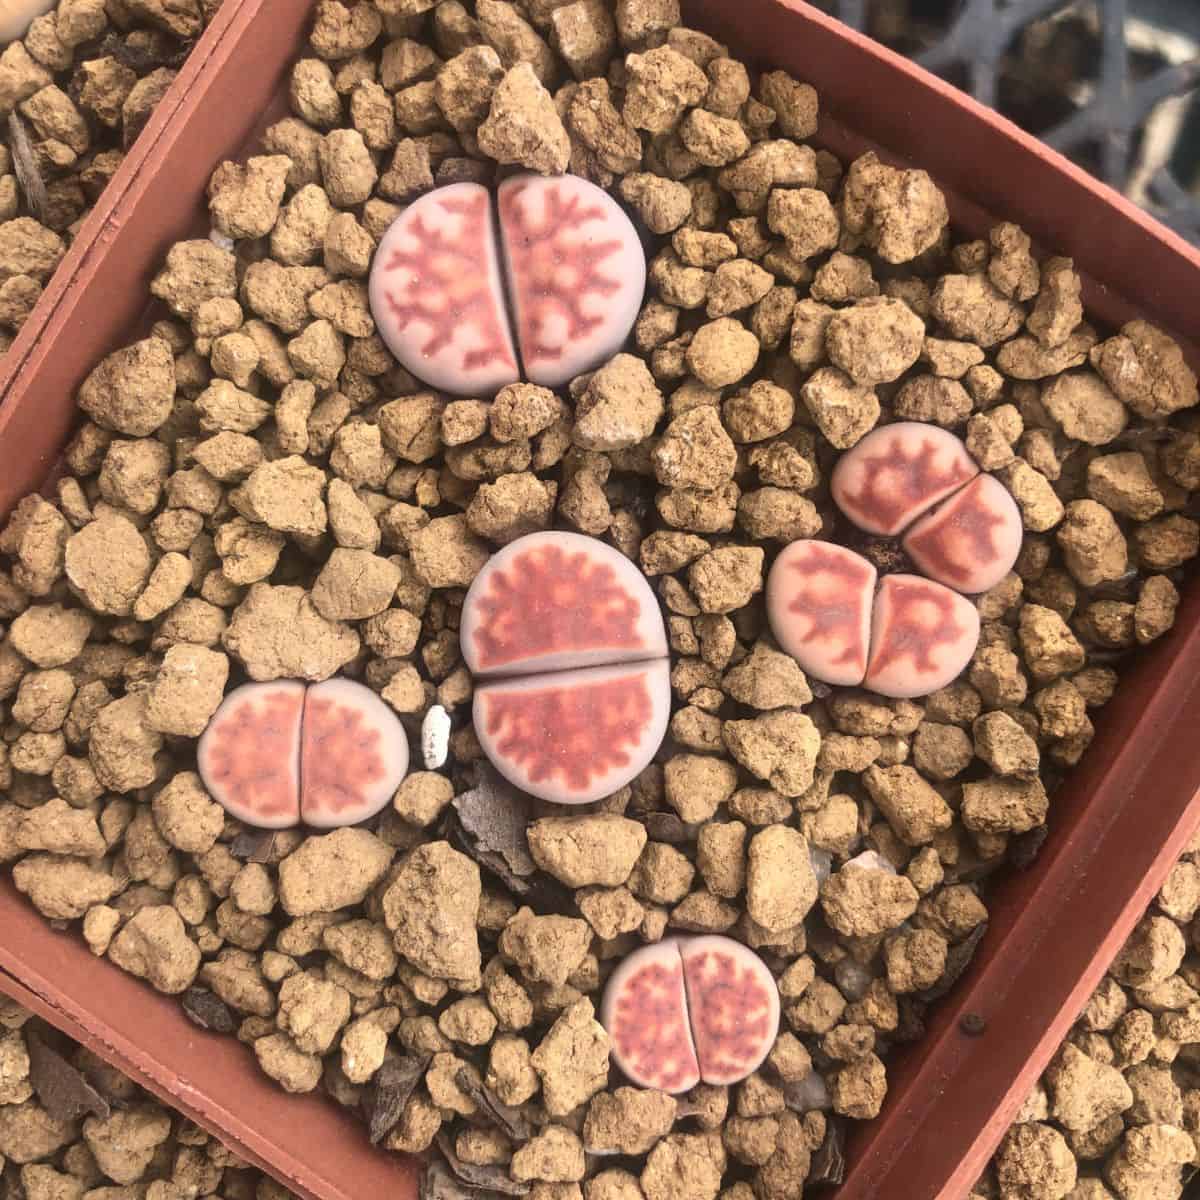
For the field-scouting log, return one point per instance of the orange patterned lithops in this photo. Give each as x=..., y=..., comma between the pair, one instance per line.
x=690, y=1009
x=567, y=641
x=277, y=754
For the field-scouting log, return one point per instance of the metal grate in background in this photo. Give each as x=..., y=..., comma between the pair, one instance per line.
x=1113, y=84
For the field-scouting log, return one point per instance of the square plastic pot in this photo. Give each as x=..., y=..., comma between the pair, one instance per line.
x=1115, y=828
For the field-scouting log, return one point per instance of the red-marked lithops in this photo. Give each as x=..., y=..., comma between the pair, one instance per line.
x=972, y=540
x=691, y=1009
x=576, y=273
x=277, y=754
x=555, y=600
x=897, y=473
x=542, y=281
x=819, y=599
x=912, y=634
x=249, y=756
x=922, y=636
x=575, y=736
x=437, y=295
x=568, y=642
x=354, y=757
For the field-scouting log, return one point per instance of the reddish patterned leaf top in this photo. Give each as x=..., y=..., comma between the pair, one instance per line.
x=898, y=472
x=554, y=274
x=569, y=735
x=249, y=755
x=341, y=758
x=734, y=1014
x=548, y=600
x=648, y=1025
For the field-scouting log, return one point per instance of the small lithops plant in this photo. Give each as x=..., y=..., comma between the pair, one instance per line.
x=687, y=1010
x=567, y=644
x=541, y=282
x=905, y=634
x=278, y=754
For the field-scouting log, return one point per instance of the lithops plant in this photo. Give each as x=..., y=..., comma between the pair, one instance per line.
x=279, y=754
x=568, y=647
x=542, y=282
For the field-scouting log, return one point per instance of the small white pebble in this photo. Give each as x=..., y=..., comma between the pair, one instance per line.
x=870, y=860
x=435, y=737
x=220, y=239
x=822, y=863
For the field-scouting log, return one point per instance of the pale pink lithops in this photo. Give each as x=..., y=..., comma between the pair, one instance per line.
x=354, y=755
x=542, y=281
x=574, y=693
x=277, y=754
x=922, y=636
x=819, y=599
x=437, y=294
x=575, y=736
x=554, y=600
x=576, y=272
x=910, y=634
x=971, y=541
x=897, y=473
x=686, y=1010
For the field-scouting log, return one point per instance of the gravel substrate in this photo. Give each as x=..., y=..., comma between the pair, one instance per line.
x=73, y=1128
x=258, y=491
x=1117, y=1112
x=75, y=91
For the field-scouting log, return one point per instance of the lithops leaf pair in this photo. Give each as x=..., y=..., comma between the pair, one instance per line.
x=567, y=644
x=905, y=634
x=542, y=287
x=278, y=754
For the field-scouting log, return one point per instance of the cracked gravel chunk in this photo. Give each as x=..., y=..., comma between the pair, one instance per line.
x=186, y=816
x=695, y=451
x=446, y=554
x=1084, y=1092
x=354, y=584
x=293, y=1070
x=431, y=906
x=861, y=901
x=781, y=887
x=547, y=949
x=876, y=340
x=285, y=495
x=555, y=1155
x=1048, y=645
x=619, y=408
x=660, y=85
x=912, y=807
x=972, y=310
x=779, y=747
x=843, y=410
x=154, y=945
x=63, y=888
x=696, y=785
x=899, y=214
x=1092, y=543
x=124, y=1143
x=725, y=579
x=312, y=1011
x=572, y=1059
x=1146, y=370
x=997, y=806
x=107, y=563
x=1035, y=1163
x=132, y=390
x=1085, y=408
x=187, y=690
x=600, y=848
x=523, y=126
x=123, y=747
x=684, y=1164
x=628, y=1120
x=1151, y=955
x=332, y=871
x=277, y=633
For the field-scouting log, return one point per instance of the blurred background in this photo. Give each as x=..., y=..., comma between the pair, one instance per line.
x=1113, y=84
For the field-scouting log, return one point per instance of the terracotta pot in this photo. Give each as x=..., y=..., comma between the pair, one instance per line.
x=1115, y=828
